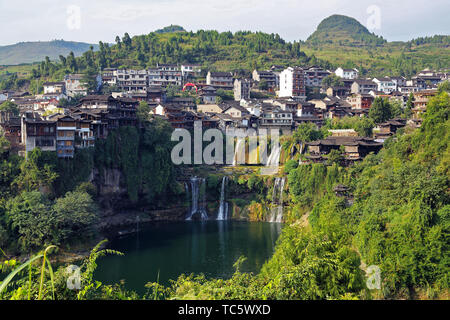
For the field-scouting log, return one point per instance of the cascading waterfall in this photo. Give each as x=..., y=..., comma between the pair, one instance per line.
x=196, y=206
x=280, y=206
x=277, y=198
x=300, y=152
x=223, y=207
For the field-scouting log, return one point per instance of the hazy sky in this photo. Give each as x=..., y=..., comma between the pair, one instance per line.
x=94, y=20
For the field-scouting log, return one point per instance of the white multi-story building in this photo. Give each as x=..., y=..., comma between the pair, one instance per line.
x=170, y=74
x=347, y=73
x=130, y=80
x=292, y=83
x=385, y=84
x=190, y=70
x=54, y=87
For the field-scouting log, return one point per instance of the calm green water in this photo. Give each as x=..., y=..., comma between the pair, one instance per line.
x=209, y=247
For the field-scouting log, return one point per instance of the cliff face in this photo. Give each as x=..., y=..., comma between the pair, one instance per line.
x=116, y=208
x=112, y=194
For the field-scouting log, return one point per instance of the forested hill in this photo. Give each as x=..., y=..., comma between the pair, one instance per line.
x=171, y=28
x=28, y=52
x=213, y=50
x=245, y=50
x=344, y=41
x=344, y=30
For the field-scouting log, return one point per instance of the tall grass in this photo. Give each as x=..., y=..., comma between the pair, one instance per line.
x=4, y=284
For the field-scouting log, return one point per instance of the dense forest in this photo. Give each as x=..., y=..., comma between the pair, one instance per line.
x=49, y=200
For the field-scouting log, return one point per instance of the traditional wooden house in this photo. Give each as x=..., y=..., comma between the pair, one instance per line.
x=10, y=126
x=37, y=132
x=388, y=129
x=355, y=148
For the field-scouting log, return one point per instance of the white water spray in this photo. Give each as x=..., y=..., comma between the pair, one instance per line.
x=223, y=207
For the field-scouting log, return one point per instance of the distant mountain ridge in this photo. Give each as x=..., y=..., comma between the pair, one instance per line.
x=29, y=52
x=339, y=29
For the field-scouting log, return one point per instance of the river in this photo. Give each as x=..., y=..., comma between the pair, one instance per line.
x=170, y=249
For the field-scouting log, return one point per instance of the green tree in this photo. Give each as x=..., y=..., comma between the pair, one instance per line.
x=89, y=80
x=143, y=111
x=9, y=106
x=307, y=132
x=37, y=171
x=444, y=87
x=381, y=110
x=364, y=127
x=332, y=81
x=75, y=216
x=410, y=102
x=30, y=215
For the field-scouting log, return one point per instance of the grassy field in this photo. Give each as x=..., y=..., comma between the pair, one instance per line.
x=22, y=70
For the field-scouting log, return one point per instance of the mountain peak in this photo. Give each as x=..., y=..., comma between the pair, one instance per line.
x=170, y=29
x=344, y=30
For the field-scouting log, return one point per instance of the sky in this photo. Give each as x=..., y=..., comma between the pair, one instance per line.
x=101, y=20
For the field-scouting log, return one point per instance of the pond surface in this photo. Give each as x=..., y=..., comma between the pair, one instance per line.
x=210, y=247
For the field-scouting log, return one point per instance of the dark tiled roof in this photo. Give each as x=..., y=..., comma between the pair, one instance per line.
x=220, y=74
x=346, y=141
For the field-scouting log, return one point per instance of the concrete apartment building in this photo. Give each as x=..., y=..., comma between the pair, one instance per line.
x=363, y=86
x=292, y=83
x=314, y=76
x=241, y=89
x=268, y=77
x=220, y=80
x=128, y=80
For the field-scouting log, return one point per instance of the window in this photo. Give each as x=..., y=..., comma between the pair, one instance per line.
x=44, y=143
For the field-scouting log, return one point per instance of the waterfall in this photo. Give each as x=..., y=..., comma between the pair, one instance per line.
x=277, y=198
x=273, y=161
x=202, y=210
x=196, y=206
x=300, y=153
x=238, y=152
x=223, y=207
x=280, y=204
x=274, y=157
x=188, y=199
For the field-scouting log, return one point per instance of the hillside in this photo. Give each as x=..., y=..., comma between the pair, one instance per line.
x=343, y=30
x=241, y=51
x=338, y=41
x=343, y=41
x=29, y=52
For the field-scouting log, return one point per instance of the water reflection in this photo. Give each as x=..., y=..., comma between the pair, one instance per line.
x=190, y=247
